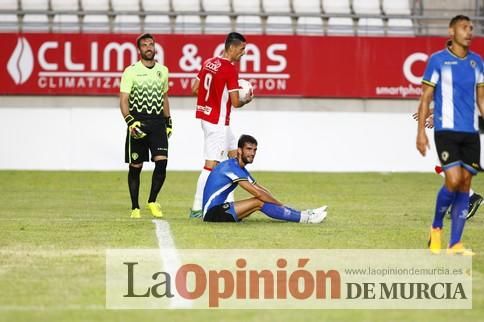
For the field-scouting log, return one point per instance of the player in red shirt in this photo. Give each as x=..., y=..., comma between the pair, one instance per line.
x=216, y=87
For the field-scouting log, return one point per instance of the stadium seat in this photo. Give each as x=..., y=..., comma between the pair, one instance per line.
x=34, y=5
x=251, y=25
x=336, y=6
x=396, y=7
x=370, y=26
x=9, y=21
x=157, y=24
x=35, y=23
x=95, y=22
x=127, y=23
x=307, y=6
x=155, y=5
x=340, y=26
x=188, y=24
x=279, y=25
x=402, y=27
x=216, y=6
x=125, y=5
x=65, y=5
x=366, y=7
x=8, y=5
x=276, y=6
x=309, y=26
x=66, y=23
x=246, y=6
x=186, y=5
x=218, y=25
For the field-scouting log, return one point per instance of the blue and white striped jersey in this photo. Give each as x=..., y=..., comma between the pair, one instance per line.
x=455, y=96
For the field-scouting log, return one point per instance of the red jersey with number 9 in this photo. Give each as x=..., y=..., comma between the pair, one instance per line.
x=218, y=77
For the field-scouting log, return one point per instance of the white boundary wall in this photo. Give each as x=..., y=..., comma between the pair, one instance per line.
x=92, y=138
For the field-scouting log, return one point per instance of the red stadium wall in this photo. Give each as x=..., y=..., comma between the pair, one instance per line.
x=298, y=66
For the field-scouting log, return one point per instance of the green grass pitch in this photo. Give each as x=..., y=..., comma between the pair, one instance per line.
x=55, y=227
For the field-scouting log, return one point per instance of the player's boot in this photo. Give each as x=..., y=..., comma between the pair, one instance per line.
x=474, y=202
x=435, y=240
x=135, y=213
x=459, y=249
x=195, y=214
x=155, y=209
x=315, y=216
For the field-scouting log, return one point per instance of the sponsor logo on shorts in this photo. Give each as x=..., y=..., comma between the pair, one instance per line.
x=226, y=206
x=444, y=155
x=134, y=156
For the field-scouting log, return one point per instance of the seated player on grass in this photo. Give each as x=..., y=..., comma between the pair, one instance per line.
x=231, y=173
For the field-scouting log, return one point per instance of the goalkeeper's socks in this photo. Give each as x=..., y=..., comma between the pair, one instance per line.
x=444, y=199
x=459, y=213
x=133, y=185
x=202, y=180
x=158, y=178
x=281, y=212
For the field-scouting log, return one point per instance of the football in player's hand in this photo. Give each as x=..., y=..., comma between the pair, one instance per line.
x=246, y=91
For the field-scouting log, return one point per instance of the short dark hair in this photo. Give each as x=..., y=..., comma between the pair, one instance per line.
x=456, y=19
x=233, y=38
x=143, y=36
x=245, y=138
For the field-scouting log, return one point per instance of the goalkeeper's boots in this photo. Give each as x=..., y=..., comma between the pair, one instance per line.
x=195, y=214
x=155, y=209
x=135, y=213
x=474, y=202
x=459, y=249
x=435, y=242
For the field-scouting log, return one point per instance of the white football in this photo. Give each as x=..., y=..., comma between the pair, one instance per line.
x=245, y=90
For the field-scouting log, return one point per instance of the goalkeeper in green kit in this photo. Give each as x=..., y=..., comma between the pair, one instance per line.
x=146, y=110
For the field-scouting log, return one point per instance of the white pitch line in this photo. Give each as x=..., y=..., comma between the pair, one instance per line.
x=170, y=257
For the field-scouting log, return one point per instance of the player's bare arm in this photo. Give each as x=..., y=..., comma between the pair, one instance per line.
x=166, y=106
x=235, y=99
x=424, y=109
x=124, y=103
x=258, y=193
x=480, y=99
x=195, y=85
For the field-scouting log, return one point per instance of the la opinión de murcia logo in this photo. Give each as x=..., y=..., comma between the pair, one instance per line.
x=21, y=63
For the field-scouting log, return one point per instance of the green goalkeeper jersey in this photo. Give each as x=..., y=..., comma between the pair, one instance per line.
x=146, y=88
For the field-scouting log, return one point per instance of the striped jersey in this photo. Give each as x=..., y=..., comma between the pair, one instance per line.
x=218, y=77
x=223, y=180
x=455, y=80
x=146, y=88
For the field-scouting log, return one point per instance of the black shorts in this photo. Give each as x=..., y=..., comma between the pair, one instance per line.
x=155, y=141
x=458, y=149
x=221, y=213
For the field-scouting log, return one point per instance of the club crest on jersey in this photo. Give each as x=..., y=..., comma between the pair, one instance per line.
x=473, y=63
x=444, y=155
x=158, y=73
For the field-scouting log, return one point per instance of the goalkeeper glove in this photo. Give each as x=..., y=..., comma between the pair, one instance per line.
x=169, y=126
x=134, y=127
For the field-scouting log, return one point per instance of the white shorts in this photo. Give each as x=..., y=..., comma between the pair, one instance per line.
x=218, y=141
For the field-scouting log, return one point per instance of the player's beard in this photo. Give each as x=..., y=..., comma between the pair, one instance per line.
x=148, y=56
x=246, y=159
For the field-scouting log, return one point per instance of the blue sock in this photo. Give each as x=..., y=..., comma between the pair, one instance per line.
x=459, y=213
x=281, y=212
x=444, y=200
